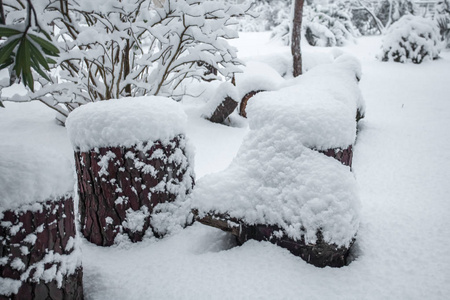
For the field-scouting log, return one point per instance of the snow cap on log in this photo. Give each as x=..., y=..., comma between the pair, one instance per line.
x=317, y=109
x=125, y=122
x=257, y=76
x=274, y=180
x=32, y=174
x=224, y=90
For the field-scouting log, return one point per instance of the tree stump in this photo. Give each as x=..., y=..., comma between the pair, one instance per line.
x=244, y=102
x=39, y=254
x=121, y=187
x=320, y=254
x=223, y=110
x=133, y=164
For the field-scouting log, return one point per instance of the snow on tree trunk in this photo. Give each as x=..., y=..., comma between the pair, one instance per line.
x=296, y=36
x=134, y=169
x=222, y=104
x=121, y=186
x=39, y=250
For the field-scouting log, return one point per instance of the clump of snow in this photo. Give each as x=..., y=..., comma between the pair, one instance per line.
x=32, y=174
x=319, y=35
x=125, y=122
x=136, y=219
x=411, y=39
x=257, y=76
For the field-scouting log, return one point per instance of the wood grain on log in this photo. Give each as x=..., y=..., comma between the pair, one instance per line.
x=27, y=238
x=117, y=183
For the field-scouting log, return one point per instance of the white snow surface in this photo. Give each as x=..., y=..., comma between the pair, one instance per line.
x=276, y=180
x=125, y=122
x=402, y=166
x=32, y=174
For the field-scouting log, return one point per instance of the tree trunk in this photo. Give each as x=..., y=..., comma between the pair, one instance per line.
x=344, y=156
x=43, y=237
x=296, y=37
x=120, y=187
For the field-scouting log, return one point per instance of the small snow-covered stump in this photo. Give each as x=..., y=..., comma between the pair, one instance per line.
x=281, y=187
x=134, y=168
x=39, y=249
x=223, y=103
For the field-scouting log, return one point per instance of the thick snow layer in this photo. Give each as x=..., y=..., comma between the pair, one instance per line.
x=275, y=180
x=125, y=122
x=32, y=174
x=257, y=76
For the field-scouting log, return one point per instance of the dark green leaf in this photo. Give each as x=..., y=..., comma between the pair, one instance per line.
x=36, y=53
x=6, y=50
x=47, y=46
x=23, y=63
x=1, y=104
x=36, y=66
x=8, y=31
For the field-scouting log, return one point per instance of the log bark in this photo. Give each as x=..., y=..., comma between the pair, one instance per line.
x=320, y=254
x=344, y=156
x=225, y=108
x=244, y=102
x=27, y=241
x=119, y=187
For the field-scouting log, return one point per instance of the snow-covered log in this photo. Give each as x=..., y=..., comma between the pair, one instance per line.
x=39, y=249
x=223, y=103
x=134, y=168
x=290, y=182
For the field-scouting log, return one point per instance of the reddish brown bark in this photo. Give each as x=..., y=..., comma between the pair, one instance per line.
x=106, y=195
x=320, y=254
x=244, y=102
x=345, y=156
x=54, y=229
x=225, y=108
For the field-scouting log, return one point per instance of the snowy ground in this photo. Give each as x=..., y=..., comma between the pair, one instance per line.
x=402, y=165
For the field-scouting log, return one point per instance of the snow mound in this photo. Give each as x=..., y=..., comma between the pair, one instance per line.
x=257, y=76
x=275, y=180
x=125, y=122
x=32, y=174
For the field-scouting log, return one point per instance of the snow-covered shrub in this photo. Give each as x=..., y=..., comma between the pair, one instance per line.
x=442, y=17
x=266, y=15
x=412, y=38
x=390, y=11
x=330, y=26
x=122, y=48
